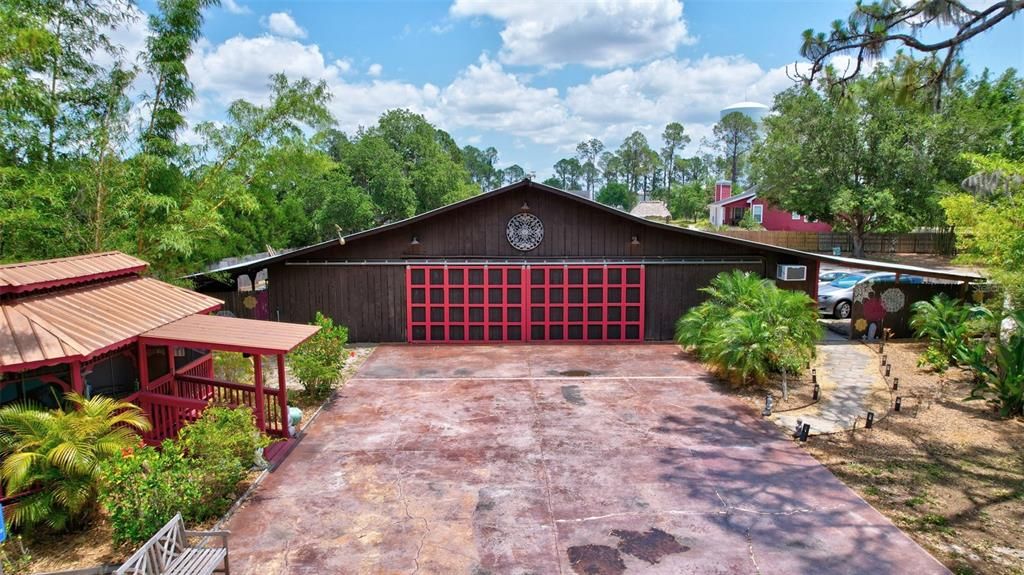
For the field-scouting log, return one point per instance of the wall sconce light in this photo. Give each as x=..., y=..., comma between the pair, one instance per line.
x=525, y=207
x=415, y=241
x=634, y=241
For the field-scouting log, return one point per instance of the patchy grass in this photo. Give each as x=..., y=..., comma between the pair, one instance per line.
x=948, y=472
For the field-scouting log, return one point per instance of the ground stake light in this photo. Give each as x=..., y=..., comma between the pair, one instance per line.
x=888, y=369
x=870, y=421
x=899, y=404
x=816, y=392
x=804, y=431
x=885, y=359
x=895, y=383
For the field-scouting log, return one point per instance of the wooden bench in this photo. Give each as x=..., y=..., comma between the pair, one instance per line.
x=169, y=553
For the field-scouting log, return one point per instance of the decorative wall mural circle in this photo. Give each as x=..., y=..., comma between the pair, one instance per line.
x=863, y=292
x=525, y=231
x=893, y=300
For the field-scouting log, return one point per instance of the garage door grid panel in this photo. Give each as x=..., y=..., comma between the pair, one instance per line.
x=488, y=303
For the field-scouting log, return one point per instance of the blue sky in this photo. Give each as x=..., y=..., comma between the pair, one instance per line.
x=530, y=78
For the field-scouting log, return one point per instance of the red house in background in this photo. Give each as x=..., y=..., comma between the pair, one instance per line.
x=729, y=210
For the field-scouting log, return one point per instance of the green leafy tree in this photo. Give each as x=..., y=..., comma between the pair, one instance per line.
x=568, y=172
x=859, y=162
x=690, y=200
x=617, y=195
x=588, y=152
x=734, y=137
x=513, y=174
x=675, y=138
x=988, y=216
x=59, y=451
x=633, y=161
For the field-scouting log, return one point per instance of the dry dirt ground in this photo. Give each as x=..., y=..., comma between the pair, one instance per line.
x=948, y=472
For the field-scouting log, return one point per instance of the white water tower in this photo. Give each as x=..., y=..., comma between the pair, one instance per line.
x=752, y=110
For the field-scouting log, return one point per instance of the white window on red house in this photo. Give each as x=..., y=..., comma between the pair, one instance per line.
x=758, y=213
x=796, y=216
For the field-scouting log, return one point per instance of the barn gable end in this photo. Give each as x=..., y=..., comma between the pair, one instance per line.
x=363, y=282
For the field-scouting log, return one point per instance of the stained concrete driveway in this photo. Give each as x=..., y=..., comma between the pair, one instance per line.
x=510, y=459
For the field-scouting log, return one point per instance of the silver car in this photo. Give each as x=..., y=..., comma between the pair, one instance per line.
x=836, y=298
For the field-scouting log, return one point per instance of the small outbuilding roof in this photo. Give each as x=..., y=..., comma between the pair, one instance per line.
x=43, y=274
x=232, y=334
x=78, y=323
x=651, y=209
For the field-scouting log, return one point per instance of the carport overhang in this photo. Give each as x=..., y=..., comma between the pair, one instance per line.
x=900, y=269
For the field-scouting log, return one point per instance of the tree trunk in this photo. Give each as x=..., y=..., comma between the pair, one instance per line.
x=857, y=235
x=785, y=386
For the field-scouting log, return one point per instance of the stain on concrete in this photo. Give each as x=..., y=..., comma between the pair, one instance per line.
x=574, y=373
x=649, y=546
x=571, y=393
x=596, y=560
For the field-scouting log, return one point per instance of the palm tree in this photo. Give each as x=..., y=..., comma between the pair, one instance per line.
x=55, y=455
x=750, y=328
x=947, y=323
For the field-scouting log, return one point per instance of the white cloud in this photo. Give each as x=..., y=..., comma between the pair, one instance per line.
x=375, y=70
x=282, y=24
x=240, y=66
x=236, y=8
x=598, y=34
x=485, y=96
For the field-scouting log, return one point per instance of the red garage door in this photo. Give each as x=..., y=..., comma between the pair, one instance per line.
x=477, y=303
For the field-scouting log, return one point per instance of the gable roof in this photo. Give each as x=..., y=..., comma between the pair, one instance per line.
x=43, y=274
x=83, y=321
x=726, y=201
x=526, y=183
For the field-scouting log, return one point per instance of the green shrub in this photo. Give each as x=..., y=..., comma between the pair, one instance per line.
x=948, y=325
x=145, y=487
x=59, y=451
x=317, y=363
x=998, y=369
x=225, y=441
x=196, y=475
x=748, y=222
x=232, y=366
x=749, y=328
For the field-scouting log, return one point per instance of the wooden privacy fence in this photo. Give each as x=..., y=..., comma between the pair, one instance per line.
x=942, y=243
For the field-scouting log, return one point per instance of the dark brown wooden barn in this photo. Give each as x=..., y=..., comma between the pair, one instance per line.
x=526, y=262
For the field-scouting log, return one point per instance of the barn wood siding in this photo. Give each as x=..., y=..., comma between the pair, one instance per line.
x=370, y=299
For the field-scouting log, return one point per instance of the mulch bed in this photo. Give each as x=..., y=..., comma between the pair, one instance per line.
x=949, y=472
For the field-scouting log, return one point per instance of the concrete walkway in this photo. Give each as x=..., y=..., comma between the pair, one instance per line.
x=847, y=372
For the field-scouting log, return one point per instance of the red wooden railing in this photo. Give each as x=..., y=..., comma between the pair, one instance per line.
x=166, y=413
x=202, y=367
x=231, y=394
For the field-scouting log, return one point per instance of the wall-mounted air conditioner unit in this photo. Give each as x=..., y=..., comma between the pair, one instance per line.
x=791, y=273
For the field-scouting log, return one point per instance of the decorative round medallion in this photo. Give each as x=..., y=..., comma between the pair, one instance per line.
x=525, y=231
x=893, y=300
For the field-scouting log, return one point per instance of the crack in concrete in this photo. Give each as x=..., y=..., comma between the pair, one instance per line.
x=750, y=550
x=547, y=474
x=411, y=517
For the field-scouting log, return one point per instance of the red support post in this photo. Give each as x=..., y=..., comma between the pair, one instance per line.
x=257, y=364
x=282, y=396
x=171, y=369
x=77, y=383
x=143, y=365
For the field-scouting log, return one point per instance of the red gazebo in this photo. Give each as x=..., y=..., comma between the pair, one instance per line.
x=94, y=324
